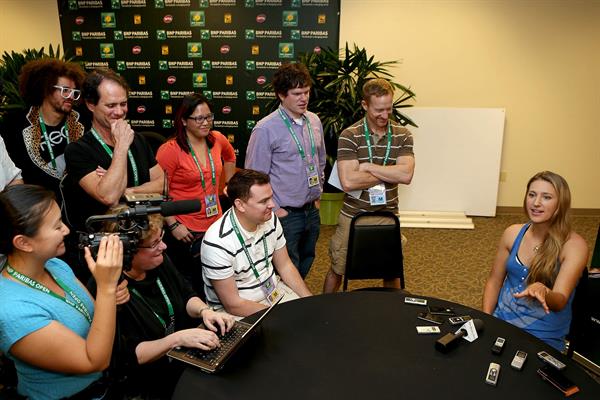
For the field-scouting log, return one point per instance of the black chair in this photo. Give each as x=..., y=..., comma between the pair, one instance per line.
x=583, y=342
x=374, y=251
x=596, y=255
x=154, y=139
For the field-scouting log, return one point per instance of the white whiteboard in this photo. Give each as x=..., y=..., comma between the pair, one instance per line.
x=457, y=153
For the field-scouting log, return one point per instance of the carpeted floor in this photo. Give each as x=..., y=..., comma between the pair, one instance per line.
x=451, y=264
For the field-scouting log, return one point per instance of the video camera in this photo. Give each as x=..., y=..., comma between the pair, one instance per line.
x=132, y=222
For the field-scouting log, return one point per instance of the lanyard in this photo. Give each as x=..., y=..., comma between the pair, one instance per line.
x=78, y=304
x=167, y=301
x=136, y=180
x=212, y=166
x=389, y=142
x=236, y=229
x=295, y=137
x=47, y=140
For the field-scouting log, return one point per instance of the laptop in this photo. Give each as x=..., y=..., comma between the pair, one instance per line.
x=213, y=360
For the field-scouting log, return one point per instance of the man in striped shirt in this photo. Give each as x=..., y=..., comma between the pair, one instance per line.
x=374, y=155
x=245, y=262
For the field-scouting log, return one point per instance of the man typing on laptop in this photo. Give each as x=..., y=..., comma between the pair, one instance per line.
x=245, y=263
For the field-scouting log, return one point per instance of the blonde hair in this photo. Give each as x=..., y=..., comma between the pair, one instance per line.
x=155, y=222
x=544, y=266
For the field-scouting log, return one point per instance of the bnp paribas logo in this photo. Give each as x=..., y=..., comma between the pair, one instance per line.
x=250, y=95
x=73, y=5
x=250, y=124
x=208, y=94
x=115, y=4
x=295, y=34
x=159, y=3
x=107, y=50
x=121, y=66
x=250, y=34
x=197, y=18
x=250, y=65
x=165, y=95
x=108, y=20
x=204, y=34
x=163, y=65
x=203, y=3
x=161, y=34
x=286, y=50
x=76, y=36
x=194, y=49
x=199, y=80
x=249, y=3
x=290, y=18
x=167, y=123
x=118, y=35
x=206, y=65
x=296, y=3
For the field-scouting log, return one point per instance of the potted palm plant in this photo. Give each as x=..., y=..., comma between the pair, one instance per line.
x=336, y=93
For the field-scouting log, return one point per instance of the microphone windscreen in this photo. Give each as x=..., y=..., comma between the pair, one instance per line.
x=169, y=208
x=478, y=325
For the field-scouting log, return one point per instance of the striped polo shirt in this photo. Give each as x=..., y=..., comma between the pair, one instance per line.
x=224, y=257
x=352, y=145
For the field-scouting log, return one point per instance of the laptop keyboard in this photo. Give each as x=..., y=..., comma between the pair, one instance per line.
x=227, y=341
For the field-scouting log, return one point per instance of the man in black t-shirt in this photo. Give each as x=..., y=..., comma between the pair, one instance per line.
x=110, y=159
x=36, y=140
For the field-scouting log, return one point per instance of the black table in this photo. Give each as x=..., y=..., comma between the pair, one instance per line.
x=364, y=344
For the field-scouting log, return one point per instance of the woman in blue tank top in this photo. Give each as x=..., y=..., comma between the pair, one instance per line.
x=538, y=264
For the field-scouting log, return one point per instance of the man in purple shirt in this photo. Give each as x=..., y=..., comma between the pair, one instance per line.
x=288, y=145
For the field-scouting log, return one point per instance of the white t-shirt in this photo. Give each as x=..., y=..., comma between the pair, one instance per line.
x=223, y=256
x=8, y=169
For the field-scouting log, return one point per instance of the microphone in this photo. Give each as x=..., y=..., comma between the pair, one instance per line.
x=166, y=209
x=451, y=340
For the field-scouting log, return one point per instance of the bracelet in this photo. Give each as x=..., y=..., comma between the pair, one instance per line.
x=173, y=225
x=202, y=310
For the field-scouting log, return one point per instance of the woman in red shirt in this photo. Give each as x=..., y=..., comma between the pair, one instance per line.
x=193, y=161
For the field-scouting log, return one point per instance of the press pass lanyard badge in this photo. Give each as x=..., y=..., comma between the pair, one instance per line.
x=136, y=179
x=168, y=328
x=311, y=169
x=210, y=200
x=268, y=287
x=377, y=196
x=76, y=303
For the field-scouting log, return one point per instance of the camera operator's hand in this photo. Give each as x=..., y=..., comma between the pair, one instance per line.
x=122, y=292
x=198, y=338
x=106, y=270
x=182, y=233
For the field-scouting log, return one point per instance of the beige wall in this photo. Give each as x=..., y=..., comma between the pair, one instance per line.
x=539, y=59
x=28, y=24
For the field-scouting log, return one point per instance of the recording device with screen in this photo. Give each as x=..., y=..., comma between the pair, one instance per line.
x=415, y=301
x=459, y=320
x=518, y=360
x=498, y=345
x=491, y=378
x=441, y=310
x=548, y=359
x=132, y=221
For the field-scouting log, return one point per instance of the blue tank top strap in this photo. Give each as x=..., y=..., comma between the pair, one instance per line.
x=517, y=243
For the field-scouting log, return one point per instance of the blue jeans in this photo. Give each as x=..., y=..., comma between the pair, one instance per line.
x=301, y=230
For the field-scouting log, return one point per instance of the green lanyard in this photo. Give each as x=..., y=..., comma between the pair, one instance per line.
x=236, y=229
x=78, y=304
x=389, y=142
x=167, y=301
x=47, y=140
x=136, y=180
x=212, y=166
x=298, y=144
